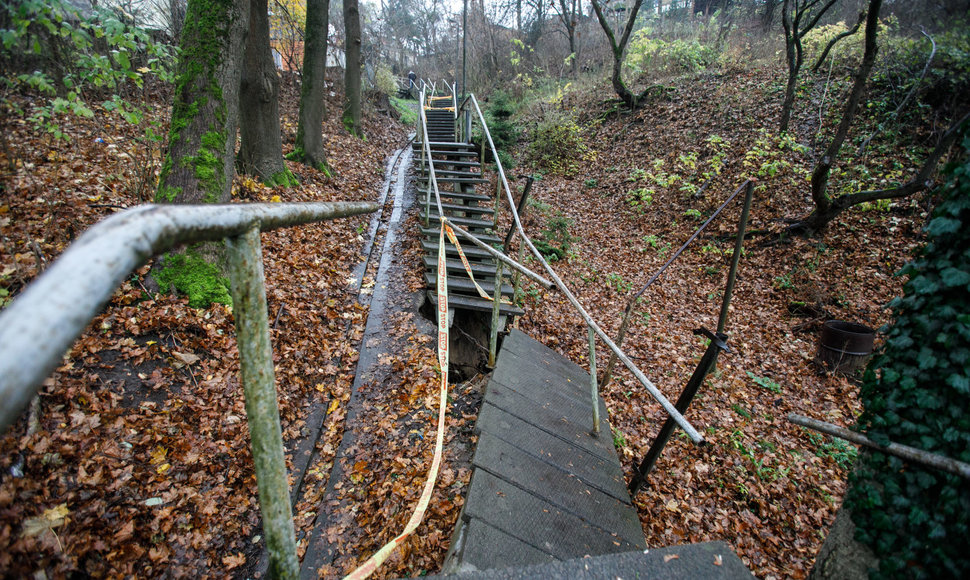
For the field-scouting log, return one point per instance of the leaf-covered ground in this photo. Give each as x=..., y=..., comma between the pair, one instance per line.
x=768, y=488
x=140, y=462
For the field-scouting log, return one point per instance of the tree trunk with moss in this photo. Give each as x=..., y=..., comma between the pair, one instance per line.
x=313, y=109
x=352, y=81
x=205, y=114
x=629, y=98
x=261, y=150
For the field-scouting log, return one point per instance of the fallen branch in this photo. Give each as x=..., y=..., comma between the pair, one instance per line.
x=904, y=452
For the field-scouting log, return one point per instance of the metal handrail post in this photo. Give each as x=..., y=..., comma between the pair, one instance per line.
x=738, y=246
x=496, y=305
x=262, y=411
x=594, y=388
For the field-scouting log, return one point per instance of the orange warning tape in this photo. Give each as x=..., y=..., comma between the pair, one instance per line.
x=468, y=269
x=379, y=557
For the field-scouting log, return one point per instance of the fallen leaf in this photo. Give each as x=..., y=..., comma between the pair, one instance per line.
x=670, y=557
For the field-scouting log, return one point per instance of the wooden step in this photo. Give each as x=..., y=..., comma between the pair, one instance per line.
x=452, y=162
x=481, y=271
x=457, y=195
x=476, y=209
x=462, y=284
x=432, y=232
x=442, y=172
x=472, y=252
x=464, y=222
x=462, y=180
x=447, y=145
x=479, y=304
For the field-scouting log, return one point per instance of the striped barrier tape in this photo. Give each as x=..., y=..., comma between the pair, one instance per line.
x=379, y=557
x=468, y=268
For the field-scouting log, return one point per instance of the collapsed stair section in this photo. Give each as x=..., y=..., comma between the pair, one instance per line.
x=467, y=202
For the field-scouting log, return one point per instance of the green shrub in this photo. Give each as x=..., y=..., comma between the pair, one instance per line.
x=558, y=144
x=72, y=58
x=648, y=54
x=914, y=392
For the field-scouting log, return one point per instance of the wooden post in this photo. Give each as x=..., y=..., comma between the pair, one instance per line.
x=262, y=411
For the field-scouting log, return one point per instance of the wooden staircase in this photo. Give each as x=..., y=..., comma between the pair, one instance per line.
x=466, y=202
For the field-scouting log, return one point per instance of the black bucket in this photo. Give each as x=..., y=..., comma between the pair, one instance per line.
x=844, y=347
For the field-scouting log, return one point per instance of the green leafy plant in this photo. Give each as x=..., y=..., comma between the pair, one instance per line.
x=73, y=58
x=558, y=144
x=617, y=282
x=765, y=382
x=914, y=393
x=640, y=198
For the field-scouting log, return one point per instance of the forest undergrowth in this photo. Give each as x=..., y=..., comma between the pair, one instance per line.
x=140, y=465
x=768, y=488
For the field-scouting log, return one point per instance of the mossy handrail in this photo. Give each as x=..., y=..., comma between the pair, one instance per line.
x=42, y=323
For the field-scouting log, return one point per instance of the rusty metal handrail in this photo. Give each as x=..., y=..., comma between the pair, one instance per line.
x=41, y=324
x=590, y=323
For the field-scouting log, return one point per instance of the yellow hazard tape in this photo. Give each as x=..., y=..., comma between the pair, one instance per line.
x=468, y=269
x=375, y=561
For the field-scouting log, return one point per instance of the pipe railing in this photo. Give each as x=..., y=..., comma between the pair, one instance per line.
x=590, y=323
x=42, y=323
x=433, y=187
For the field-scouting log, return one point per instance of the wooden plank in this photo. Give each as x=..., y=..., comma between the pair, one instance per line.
x=570, y=420
x=480, y=304
x=557, y=417
x=558, y=487
x=483, y=542
x=595, y=471
x=538, y=523
x=462, y=284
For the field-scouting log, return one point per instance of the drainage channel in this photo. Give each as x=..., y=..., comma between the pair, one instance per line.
x=373, y=279
x=376, y=254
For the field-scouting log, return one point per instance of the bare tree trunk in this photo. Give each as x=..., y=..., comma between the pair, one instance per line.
x=313, y=108
x=827, y=211
x=794, y=13
x=820, y=175
x=261, y=149
x=352, y=81
x=619, y=50
x=205, y=113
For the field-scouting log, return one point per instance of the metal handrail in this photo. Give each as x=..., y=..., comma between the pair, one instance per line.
x=433, y=186
x=651, y=388
x=40, y=325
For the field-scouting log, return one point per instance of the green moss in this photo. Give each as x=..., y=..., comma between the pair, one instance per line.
x=284, y=178
x=299, y=155
x=190, y=274
x=198, y=94
x=167, y=194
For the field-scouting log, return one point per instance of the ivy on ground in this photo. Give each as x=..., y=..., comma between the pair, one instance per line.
x=916, y=519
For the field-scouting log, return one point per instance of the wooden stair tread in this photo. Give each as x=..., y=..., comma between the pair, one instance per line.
x=479, y=304
x=463, y=284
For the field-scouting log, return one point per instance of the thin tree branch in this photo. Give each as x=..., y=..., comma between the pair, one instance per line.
x=834, y=41
x=912, y=91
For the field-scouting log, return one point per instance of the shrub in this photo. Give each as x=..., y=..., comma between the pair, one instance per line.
x=558, y=144
x=648, y=54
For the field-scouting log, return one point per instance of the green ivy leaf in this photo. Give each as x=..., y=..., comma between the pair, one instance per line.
x=954, y=277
